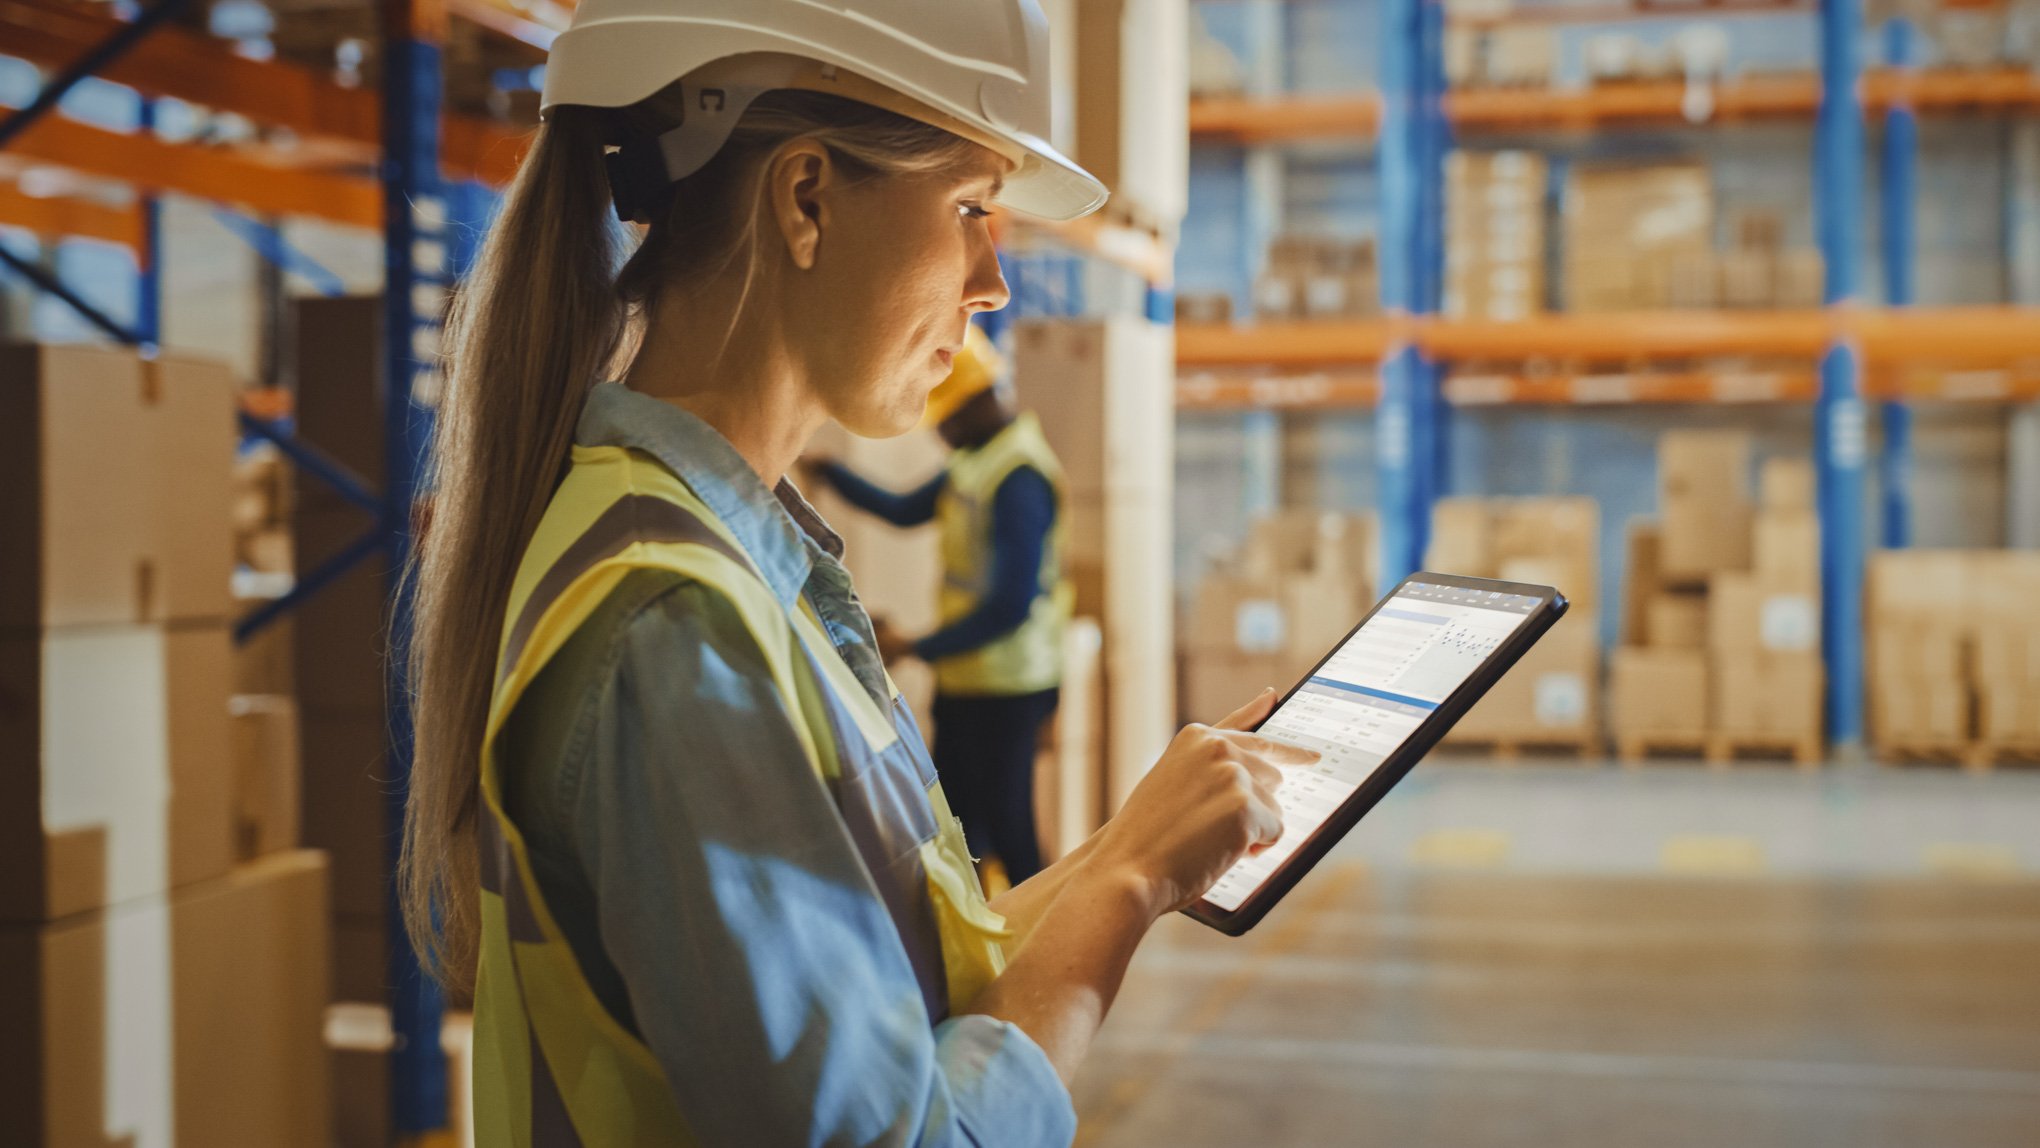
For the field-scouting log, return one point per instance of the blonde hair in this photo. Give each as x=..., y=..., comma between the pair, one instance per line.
x=556, y=302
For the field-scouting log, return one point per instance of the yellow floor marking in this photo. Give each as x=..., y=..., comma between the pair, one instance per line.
x=1975, y=862
x=1702, y=855
x=1462, y=849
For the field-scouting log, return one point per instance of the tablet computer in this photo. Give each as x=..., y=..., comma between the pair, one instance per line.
x=1373, y=707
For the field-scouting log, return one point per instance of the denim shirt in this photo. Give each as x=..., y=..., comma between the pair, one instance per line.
x=718, y=898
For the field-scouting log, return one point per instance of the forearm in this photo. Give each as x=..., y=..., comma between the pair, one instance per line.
x=1059, y=990
x=1024, y=904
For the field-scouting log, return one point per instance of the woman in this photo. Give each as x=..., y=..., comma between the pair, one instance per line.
x=679, y=837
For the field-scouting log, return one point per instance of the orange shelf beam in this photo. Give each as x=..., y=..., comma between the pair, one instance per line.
x=1608, y=105
x=202, y=70
x=1284, y=344
x=1244, y=120
x=1263, y=392
x=71, y=218
x=1982, y=336
x=216, y=174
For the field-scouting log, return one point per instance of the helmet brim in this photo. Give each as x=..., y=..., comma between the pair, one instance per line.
x=1051, y=186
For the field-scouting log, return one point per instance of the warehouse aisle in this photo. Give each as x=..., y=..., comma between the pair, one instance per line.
x=1405, y=1003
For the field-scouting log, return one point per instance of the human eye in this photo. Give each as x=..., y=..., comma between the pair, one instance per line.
x=973, y=211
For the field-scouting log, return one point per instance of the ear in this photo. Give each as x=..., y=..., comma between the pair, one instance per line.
x=797, y=180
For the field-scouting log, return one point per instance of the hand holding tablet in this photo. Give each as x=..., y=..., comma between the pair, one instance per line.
x=1371, y=709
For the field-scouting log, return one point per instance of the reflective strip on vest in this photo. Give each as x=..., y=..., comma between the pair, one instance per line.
x=1029, y=658
x=552, y=1067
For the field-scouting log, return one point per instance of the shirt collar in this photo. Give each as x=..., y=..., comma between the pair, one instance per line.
x=775, y=527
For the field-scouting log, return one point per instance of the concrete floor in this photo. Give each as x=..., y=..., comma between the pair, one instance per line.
x=1566, y=956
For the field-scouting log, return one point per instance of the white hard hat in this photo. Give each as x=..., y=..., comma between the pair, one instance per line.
x=976, y=67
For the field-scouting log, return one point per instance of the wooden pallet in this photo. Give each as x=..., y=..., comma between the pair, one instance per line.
x=1971, y=756
x=1634, y=749
x=1724, y=750
x=1511, y=750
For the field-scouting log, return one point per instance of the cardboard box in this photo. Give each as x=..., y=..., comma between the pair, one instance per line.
x=339, y=364
x=1235, y=615
x=1902, y=652
x=1695, y=280
x=1922, y=709
x=1800, y=279
x=1785, y=550
x=2009, y=712
x=1786, y=485
x=1749, y=615
x=263, y=663
x=1701, y=537
x=1216, y=684
x=1768, y=695
x=118, y=784
x=1677, y=621
x=193, y=1019
x=340, y=636
x=1626, y=229
x=1747, y=278
x=1554, y=691
x=1658, y=693
x=1642, y=580
x=266, y=787
x=2008, y=655
x=1461, y=531
x=1104, y=391
x=1704, y=465
x=344, y=807
x=120, y=481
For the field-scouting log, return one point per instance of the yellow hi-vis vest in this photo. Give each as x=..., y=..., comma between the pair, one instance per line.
x=552, y=1066
x=1029, y=659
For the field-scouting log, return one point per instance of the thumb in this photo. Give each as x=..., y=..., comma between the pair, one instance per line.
x=1250, y=715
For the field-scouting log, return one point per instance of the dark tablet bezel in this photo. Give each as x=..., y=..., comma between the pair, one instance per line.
x=1551, y=606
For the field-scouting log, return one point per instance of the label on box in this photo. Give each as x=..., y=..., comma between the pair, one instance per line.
x=1789, y=622
x=1561, y=699
x=1259, y=626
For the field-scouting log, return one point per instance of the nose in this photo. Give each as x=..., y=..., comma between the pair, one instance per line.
x=985, y=289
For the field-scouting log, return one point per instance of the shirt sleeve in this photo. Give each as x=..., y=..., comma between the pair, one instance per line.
x=910, y=509
x=1023, y=510
x=762, y=967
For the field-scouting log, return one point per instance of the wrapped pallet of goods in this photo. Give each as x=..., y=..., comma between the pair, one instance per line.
x=138, y=961
x=1764, y=630
x=1551, y=700
x=1954, y=642
x=1267, y=613
x=1658, y=680
x=1494, y=234
x=1627, y=226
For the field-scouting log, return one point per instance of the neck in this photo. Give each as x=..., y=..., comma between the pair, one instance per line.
x=751, y=393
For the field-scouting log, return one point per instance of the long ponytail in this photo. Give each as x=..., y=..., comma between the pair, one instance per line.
x=535, y=325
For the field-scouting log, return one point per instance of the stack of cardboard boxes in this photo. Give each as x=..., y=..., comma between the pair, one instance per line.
x=1553, y=696
x=1519, y=55
x=1494, y=234
x=1757, y=272
x=1955, y=653
x=1104, y=391
x=155, y=992
x=1265, y=614
x=1309, y=277
x=1722, y=612
x=337, y=647
x=1627, y=226
x=1763, y=627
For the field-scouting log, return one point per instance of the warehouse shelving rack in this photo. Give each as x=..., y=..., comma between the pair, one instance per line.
x=1853, y=353
x=391, y=161
x=383, y=160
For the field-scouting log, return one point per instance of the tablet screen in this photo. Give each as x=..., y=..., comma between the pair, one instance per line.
x=1367, y=699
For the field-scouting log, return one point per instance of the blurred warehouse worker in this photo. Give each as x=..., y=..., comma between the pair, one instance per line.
x=1003, y=604
x=669, y=823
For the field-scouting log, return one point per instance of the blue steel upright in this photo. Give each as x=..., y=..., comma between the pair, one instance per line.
x=1839, y=413
x=1406, y=438
x=1899, y=201
x=414, y=286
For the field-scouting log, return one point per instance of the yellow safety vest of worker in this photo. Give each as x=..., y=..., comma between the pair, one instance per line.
x=1028, y=659
x=552, y=1066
